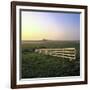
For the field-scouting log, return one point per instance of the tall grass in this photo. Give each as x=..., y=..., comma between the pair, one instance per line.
x=36, y=65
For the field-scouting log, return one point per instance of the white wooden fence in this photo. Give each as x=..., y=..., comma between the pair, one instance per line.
x=59, y=52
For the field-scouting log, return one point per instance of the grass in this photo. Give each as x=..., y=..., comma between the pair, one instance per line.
x=36, y=65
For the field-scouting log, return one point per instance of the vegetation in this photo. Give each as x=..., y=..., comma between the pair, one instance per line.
x=36, y=65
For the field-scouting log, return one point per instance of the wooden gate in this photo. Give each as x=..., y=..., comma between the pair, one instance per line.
x=59, y=52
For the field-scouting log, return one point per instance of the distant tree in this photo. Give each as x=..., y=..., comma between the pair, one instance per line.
x=44, y=39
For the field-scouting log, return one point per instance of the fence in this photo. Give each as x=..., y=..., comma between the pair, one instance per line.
x=59, y=52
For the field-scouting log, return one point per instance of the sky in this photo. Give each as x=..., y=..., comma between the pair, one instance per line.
x=50, y=25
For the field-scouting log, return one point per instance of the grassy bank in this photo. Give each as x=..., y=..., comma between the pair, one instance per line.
x=36, y=65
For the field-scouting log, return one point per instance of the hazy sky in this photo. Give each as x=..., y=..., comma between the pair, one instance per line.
x=50, y=25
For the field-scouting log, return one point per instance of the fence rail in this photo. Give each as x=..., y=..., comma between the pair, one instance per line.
x=59, y=52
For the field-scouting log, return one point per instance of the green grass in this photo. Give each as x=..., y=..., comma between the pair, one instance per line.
x=36, y=65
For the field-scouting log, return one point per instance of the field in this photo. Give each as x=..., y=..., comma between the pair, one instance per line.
x=35, y=65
